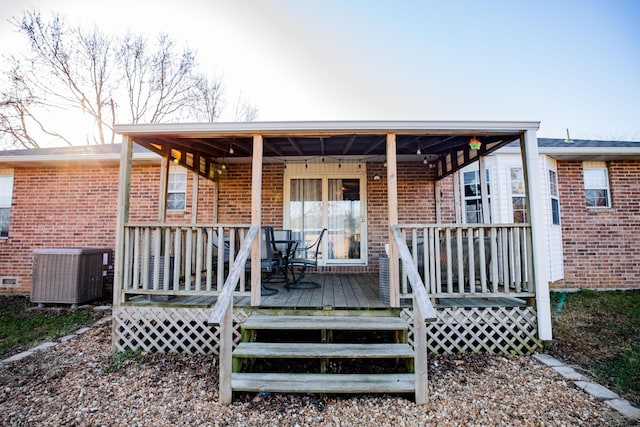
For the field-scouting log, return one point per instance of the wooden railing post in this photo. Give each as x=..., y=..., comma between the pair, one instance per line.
x=421, y=362
x=222, y=315
x=226, y=346
x=423, y=312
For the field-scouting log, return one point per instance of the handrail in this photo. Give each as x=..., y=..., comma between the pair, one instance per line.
x=421, y=296
x=226, y=295
x=423, y=313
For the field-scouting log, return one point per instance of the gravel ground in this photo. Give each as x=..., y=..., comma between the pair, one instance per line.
x=80, y=382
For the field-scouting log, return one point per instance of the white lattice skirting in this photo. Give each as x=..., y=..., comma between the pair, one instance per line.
x=496, y=330
x=169, y=330
x=493, y=330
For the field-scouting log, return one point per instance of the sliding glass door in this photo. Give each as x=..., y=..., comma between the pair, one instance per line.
x=332, y=202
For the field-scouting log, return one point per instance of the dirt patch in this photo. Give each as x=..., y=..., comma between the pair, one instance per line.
x=75, y=384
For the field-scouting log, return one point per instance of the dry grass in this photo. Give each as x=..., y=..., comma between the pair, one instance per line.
x=600, y=332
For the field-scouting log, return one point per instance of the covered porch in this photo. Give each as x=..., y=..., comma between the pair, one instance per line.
x=468, y=287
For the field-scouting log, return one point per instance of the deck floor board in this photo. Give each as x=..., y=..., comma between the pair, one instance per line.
x=358, y=291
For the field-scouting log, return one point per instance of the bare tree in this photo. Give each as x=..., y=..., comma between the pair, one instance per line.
x=244, y=112
x=208, y=95
x=160, y=83
x=102, y=79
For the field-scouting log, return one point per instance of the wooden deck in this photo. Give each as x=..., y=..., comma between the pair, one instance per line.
x=340, y=291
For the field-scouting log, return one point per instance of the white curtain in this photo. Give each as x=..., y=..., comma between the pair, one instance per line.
x=305, y=209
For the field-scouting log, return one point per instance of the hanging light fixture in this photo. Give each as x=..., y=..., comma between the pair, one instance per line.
x=474, y=144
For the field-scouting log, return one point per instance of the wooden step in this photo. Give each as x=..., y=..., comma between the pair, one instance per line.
x=322, y=350
x=350, y=323
x=323, y=383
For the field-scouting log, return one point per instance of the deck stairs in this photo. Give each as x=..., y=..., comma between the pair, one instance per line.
x=324, y=354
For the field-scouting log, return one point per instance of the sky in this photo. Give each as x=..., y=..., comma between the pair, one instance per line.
x=570, y=64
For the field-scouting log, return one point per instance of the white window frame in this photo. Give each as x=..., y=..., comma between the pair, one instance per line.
x=554, y=195
x=477, y=197
x=326, y=171
x=596, y=166
x=6, y=197
x=518, y=195
x=177, y=177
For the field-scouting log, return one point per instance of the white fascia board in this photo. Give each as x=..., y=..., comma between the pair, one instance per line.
x=27, y=159
x=601, y=151
x=328, y=127
x=577, y=151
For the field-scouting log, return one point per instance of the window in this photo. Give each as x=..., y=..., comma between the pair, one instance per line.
x=473, y=196
x=518, y=196
x=177, y=188
x=555, y=202
x=6, y=194
x=596, y=185
x=9, y=282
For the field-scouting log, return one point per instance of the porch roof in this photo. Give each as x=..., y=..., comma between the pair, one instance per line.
x=203, y=146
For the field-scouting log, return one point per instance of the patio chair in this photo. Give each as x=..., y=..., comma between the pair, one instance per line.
x=213, y=238
x=308, y=259
x=281, y=247
x=268, y=262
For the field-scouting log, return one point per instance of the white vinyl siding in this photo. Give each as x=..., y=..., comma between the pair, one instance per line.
x=502, y=204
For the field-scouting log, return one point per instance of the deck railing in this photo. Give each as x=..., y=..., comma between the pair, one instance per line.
x=192, y=259
x=423, y=313
x=471, y=260
x=221, y=315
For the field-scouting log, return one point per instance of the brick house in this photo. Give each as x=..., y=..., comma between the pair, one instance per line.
x=480, y=226
x=593, y=210
x=66, y=197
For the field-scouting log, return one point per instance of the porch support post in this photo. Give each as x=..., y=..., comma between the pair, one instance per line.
x=392, y=207
x=122, y=217
x=256, y=217
x=536, y=212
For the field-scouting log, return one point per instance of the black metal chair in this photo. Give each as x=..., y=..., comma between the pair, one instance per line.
x=306, y=257
x=281, y=244
x=268, y=262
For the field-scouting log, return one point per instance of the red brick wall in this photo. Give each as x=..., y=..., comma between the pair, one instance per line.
x=601, y=246
x=416, y=201
x=76, y=207
x=54, y=208
x=447, y=204
x=235, y=195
